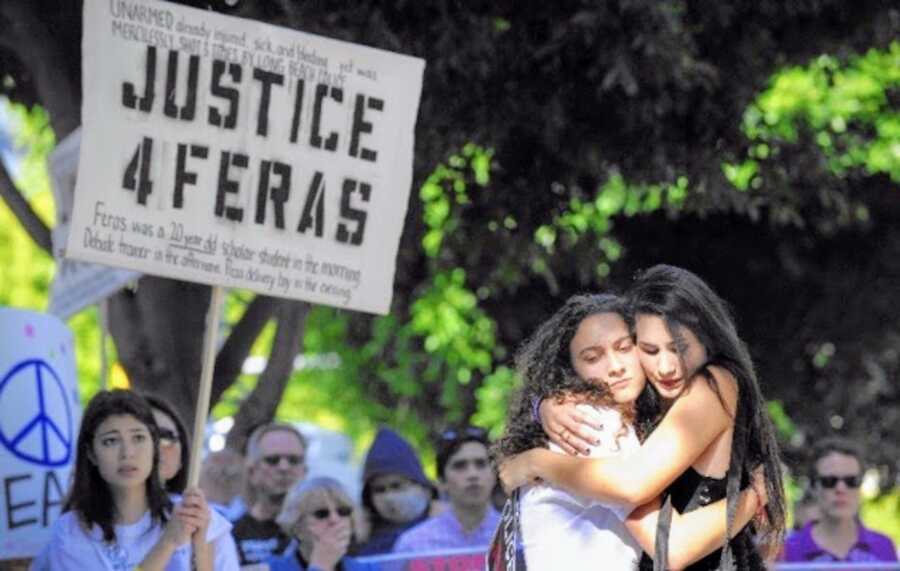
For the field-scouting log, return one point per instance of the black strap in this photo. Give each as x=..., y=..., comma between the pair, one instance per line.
x=661, y=561
x=505, y=552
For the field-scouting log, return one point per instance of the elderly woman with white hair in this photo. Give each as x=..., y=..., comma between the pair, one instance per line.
x=322, y=522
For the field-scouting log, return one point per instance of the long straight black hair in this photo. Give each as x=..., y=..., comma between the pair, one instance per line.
x=90, y=497
x=682, y=299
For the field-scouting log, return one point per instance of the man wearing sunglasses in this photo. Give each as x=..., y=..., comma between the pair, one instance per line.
x=467, y=479
x=275, y=462
x=838, y=535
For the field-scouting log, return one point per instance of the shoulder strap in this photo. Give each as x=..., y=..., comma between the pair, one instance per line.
x=661, y=561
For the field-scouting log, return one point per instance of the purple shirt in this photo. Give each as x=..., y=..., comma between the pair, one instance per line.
x=444, y=531
x=870, y=546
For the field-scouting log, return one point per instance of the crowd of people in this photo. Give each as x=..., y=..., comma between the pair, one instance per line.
x=129, y=508
x=638, y=439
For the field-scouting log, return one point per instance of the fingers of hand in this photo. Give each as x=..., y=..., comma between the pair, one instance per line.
x=572, y=442
x=191, y=521
x=193, y=497
x=569, y=449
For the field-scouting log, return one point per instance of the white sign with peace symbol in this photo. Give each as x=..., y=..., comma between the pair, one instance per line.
x=39, y=415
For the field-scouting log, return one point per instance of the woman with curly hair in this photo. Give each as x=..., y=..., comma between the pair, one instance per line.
x=585, y=352
x=712, y=436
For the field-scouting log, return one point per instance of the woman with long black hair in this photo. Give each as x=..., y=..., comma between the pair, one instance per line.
x=117, y=515
x=586, y=351
x=713, y=431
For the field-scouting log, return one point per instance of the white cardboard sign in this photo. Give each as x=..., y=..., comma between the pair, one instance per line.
x=76, y=285
x=235, y=153
x=38, y=427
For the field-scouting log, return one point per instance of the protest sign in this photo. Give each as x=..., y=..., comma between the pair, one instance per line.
x=230, y=152
x=76, y=285
x=38, y=427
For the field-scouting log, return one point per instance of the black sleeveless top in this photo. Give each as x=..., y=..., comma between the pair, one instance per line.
x=692, y=490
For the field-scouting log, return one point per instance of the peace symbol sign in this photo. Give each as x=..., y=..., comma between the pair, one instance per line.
x=37, y=420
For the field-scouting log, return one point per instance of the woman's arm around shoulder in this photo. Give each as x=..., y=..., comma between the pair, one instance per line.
x=692, y=423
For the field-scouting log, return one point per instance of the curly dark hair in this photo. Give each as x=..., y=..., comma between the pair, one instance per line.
x=683, y=299
x=90, y=497
x=544, y=365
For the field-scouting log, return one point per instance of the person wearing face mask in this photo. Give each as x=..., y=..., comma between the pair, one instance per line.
x=396, y=493
x=838, y=535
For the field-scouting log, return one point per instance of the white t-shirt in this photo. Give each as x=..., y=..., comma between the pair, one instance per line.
x=561, y=530
x=71, y=548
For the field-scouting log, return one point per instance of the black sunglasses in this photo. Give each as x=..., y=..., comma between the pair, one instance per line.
x=324, y=513
x=168, y=437
x=832, y=481
x=275, y=459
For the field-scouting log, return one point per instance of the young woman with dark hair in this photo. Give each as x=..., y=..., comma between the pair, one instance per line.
x=118, y=515
x=585, y=352
x=713, y=434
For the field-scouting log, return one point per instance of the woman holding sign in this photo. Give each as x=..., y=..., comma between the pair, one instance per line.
x=118, y=516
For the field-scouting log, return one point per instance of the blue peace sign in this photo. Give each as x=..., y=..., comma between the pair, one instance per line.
x=43, y=438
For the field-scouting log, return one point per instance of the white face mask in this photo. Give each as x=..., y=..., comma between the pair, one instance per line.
x=402, y=506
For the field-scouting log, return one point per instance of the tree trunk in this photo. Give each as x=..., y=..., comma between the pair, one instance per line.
x=262, y=403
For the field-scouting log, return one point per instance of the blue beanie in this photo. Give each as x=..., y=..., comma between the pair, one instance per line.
x=392, y=454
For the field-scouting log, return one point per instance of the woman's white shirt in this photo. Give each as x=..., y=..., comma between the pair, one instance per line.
x=561, y=530
x=73, y=548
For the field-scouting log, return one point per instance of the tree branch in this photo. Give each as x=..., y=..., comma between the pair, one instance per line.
x=234, y=351
x=41, y=53
x=32, y=223
x=263, y=401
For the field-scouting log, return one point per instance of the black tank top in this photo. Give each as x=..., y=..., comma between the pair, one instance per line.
x=690, y=491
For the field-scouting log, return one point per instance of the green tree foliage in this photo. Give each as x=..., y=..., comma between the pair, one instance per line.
x=26, y=271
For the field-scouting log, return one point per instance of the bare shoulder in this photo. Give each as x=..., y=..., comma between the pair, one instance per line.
x=725, y=384
x=710, y=391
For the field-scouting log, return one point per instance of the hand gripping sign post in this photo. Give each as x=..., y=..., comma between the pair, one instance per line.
x=238, y=154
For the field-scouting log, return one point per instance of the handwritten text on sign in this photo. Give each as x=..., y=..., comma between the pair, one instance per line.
x=231, y=152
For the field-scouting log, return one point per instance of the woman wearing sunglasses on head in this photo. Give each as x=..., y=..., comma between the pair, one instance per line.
x=322, y=522
x=174, y=458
